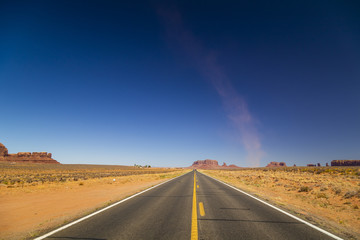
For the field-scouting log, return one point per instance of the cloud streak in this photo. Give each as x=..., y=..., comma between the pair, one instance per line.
x=206, y=63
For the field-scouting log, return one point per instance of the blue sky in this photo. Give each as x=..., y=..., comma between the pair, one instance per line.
x=165, y=84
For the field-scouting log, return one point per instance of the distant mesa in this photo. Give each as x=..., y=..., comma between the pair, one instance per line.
x=25, y=157
x=233, y=166
x=313, y=165
x=276, y=164
x=210, y=164
x=345, y=163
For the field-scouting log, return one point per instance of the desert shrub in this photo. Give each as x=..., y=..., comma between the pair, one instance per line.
x=304, y=189
x=323, y=188
x=337, y=191
x=321, y=195
x=351, y=194
x=19, y=174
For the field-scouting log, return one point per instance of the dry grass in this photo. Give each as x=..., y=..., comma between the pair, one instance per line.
x=327, y=196
x=20, y=175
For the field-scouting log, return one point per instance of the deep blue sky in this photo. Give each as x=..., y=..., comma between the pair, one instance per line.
x=165, y=84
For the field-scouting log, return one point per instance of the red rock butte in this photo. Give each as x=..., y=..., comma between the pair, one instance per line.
x=210, y=164
x=276, y=164
x=25, y=157
x=345, y=163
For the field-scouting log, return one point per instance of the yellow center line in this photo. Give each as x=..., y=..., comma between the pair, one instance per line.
x=201, y=209
x=194, y=225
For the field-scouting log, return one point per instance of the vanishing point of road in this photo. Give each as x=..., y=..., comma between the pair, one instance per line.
x=192, y=206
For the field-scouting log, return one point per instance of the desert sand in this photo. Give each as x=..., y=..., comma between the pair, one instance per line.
x=29, y=211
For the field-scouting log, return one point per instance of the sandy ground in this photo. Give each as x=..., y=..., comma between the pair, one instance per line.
x=28, y=212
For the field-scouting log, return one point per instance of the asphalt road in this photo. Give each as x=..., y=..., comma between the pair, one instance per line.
x=165, y=212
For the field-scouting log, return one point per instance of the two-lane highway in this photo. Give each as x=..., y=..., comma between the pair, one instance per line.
x=185, y=208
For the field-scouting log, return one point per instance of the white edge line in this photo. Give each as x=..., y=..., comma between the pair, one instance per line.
x=101, y=210
x=280, y=210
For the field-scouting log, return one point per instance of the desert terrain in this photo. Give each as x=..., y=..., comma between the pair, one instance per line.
x=35, y=198
x=329, y=197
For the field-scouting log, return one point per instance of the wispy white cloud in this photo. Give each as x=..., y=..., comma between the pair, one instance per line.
x=205, y=62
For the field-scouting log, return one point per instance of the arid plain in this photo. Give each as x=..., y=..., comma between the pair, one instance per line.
x=38, y=197
x=329, y=197
x=35, y=198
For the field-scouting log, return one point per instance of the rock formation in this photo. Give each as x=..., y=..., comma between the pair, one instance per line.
x=25, y=157
x=276, y=164
x=210, y=164
x=345, y=163
x=206, y=164
x=3, y=150
x=233, y=166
